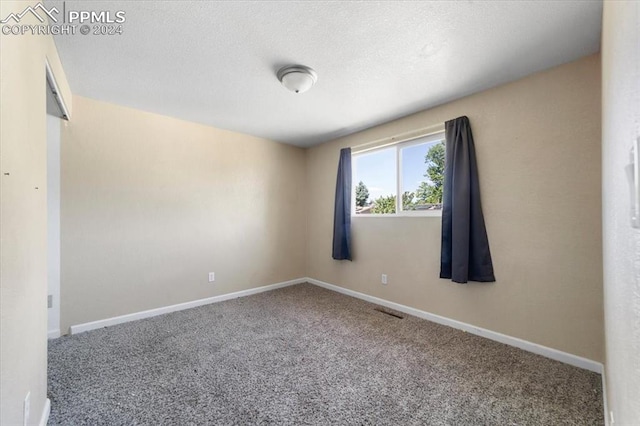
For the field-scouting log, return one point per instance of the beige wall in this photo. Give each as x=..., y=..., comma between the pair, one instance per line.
x=23, y=218
x=538, y=148
x=620, y=126
x=151, y=204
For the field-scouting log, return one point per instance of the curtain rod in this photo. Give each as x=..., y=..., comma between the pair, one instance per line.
x=411, y=134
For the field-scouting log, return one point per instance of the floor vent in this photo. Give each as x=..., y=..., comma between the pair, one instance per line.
x=391, y=314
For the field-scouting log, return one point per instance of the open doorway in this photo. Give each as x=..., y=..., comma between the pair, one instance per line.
x=56, y=112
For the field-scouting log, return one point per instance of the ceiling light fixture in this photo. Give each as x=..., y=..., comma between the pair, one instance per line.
x=297, y=78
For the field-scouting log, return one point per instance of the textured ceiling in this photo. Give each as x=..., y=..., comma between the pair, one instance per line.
x=215, y=62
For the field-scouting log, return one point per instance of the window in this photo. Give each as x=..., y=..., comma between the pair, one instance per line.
x=414, y=169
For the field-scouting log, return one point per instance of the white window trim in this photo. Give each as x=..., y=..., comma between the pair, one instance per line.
x=398, y=145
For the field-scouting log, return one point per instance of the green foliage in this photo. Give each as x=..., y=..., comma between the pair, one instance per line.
x=384, y=204
x=432, y=192
x=362, y=194
x=429, y=194
x=435, y=161
x=388, y=204
x=408, y=202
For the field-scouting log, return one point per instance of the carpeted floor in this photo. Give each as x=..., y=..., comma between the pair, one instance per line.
x=304, y=355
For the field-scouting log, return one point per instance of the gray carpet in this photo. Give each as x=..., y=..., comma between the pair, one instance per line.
x=304, y=355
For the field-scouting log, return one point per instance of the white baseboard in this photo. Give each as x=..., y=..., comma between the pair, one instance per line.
x=79, y=328
x=46, y=410
x=53, y=334
x=605, y=403
x=554, y=354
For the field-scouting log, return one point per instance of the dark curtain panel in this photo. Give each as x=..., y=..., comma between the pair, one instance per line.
x=465, y=247
x=342, y=212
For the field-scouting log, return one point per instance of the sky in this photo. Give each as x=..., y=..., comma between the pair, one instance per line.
x=378, y=171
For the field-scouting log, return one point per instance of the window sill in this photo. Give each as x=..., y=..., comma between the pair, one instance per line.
x=437, y=213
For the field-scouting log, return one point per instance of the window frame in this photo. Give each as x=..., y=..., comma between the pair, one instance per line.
x=397, y=146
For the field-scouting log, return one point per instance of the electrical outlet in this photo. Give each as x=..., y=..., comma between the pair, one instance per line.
x=26, y=408
x=212, y=277
x=50, y=301
x=384, y=279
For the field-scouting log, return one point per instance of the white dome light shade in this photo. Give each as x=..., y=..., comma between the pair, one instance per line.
x=297, y=78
